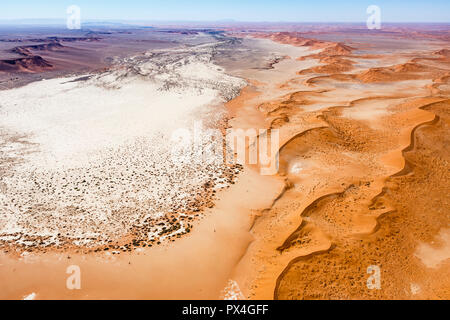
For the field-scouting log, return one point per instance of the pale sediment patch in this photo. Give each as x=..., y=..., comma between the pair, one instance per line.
x=101, y=166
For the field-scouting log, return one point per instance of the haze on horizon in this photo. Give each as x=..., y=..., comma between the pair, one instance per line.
x=238, y=10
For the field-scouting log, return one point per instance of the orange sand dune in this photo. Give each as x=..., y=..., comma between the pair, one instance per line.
x=293, y=38
x=331, y=54
x=338, y=49
x=333, y=64
x=366, y=182
x=406, y=71
x=443, y=52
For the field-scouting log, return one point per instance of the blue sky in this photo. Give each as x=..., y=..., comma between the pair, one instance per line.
x=242, y=10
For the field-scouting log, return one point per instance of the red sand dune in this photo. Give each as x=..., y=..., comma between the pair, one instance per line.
x=405, y=71
x=34, y=63
x=293, y=38
x=26, y=50
x=338, y=49
x=29, y=64
x=443, y=52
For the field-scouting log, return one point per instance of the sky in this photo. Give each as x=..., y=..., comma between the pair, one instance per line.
x=240, y=10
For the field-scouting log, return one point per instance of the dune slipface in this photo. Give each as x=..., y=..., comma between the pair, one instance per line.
x=358, y=130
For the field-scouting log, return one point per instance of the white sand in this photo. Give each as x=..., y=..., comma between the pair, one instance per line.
x=99, y=161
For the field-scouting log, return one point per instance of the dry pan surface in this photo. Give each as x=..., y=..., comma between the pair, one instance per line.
x=87, y=162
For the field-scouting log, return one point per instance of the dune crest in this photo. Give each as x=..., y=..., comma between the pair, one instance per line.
x=341, y=210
